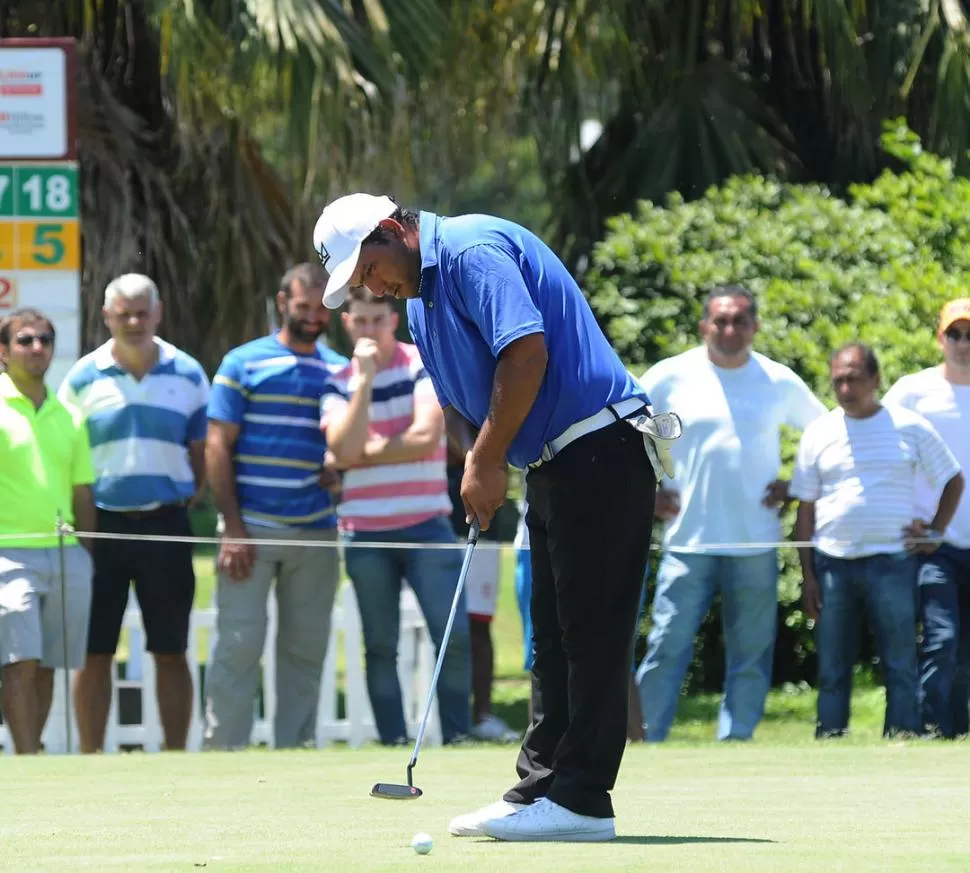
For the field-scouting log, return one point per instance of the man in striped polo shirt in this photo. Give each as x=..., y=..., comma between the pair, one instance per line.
x=855, y=478
x=144, y=402
x=264, y=459
x=383, y=422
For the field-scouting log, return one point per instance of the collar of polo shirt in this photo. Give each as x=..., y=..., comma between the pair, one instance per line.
x=104, y=360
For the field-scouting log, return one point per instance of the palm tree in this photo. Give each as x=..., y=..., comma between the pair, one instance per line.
x=691, y=91
x=180, y=103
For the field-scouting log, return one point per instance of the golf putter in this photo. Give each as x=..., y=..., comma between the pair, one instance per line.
x=389, y=790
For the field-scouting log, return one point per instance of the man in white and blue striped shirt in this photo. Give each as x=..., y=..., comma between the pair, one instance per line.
x=855, y=476
x=144, y=402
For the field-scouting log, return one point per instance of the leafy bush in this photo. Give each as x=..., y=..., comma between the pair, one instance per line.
x=875, y=266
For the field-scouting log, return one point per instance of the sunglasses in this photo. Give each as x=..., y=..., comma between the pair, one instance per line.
x=24, y=340
x=955, y=335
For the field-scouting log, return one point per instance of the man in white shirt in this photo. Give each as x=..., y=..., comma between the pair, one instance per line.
x=855, y=477
x=721, y=511
x=942, y=396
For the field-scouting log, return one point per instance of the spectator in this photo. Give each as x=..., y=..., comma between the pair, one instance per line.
x=721, y=510
x=384, y=426
x=45, y=466
x=481, y=589
x=144, y=403
x=855, y=477
x=942, y=396
x=264, y=459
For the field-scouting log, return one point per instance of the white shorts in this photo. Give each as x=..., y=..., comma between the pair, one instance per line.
x=481, y=586
x=31, y=622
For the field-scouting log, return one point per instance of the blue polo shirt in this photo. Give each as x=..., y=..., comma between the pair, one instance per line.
x=486, y=282
x=273, y=394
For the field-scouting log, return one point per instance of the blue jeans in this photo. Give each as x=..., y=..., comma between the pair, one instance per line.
x=944, y=602
x=886, y=584
x=686, y=585
x=377, y=575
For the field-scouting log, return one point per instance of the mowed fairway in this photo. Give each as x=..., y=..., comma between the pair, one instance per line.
x=881, y=806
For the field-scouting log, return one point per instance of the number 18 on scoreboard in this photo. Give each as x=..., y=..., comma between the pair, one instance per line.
x=40, y=240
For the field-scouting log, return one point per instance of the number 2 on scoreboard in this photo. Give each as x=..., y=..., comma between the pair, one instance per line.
x=8, y=297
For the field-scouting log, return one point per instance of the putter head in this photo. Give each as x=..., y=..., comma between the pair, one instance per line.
x=389, y=791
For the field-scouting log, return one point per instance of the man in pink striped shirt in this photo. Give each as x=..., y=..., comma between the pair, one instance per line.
x=384, y=426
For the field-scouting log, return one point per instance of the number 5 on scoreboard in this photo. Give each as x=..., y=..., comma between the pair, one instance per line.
x=48, y=245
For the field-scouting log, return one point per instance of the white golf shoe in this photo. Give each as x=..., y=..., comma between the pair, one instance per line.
x=546, y=821
x=471, y=823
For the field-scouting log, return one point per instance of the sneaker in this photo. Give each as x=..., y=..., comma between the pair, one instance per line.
x=546, y=821
x=492, y=729
x=470, y=824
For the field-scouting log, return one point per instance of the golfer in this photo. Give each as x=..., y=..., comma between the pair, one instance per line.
x=509, y=341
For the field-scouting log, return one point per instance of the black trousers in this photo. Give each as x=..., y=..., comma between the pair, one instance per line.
x=589, y=518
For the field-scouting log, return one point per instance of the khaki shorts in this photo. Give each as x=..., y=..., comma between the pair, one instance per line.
x=481, y=586
x=31, y=621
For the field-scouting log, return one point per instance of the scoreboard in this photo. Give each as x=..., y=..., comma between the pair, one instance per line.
x=40, y=233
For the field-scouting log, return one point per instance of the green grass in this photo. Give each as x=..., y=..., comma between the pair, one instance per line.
x=751, y=808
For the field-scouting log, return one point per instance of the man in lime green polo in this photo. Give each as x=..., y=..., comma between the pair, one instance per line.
x=45, y=469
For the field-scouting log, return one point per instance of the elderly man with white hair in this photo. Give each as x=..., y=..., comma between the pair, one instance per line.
x=144, y=402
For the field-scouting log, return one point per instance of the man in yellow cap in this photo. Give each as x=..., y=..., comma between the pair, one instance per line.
x=941, y=394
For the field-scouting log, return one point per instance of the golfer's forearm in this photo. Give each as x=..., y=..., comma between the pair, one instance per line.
x=518, y=377
x=222, y=481
x=949, y=500
x=804, y=531
x=347, y=435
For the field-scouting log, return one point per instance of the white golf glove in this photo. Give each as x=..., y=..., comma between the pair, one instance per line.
x=659, y=431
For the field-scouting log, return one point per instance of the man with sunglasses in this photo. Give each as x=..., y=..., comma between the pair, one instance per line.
x=45, y=467
x=941, y=394
x=721, y=512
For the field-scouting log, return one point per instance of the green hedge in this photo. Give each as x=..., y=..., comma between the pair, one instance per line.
x=874, y=266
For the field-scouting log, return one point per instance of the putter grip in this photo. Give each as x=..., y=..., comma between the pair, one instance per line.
x=474, y=531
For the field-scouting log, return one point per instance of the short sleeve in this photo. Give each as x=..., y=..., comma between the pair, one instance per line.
x=83, y=469
x=935, y=458
x=334, y=399
x=802, y=407
x=806, y=483
x=227, y=397
x=496, y=296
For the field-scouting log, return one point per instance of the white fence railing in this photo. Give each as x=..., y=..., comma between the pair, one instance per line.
x=356, y=726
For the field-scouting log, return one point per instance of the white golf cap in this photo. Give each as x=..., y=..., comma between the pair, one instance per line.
x=341, y=228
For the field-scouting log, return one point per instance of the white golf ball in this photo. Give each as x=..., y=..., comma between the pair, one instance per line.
x=421, y=843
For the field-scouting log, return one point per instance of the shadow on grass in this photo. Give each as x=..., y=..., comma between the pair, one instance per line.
x=677, y=841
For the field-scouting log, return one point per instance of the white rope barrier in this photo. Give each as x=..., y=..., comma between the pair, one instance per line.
x=482, y=544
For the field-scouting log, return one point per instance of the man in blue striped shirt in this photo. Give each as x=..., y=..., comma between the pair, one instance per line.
x=264, y=457
x=144, y=402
